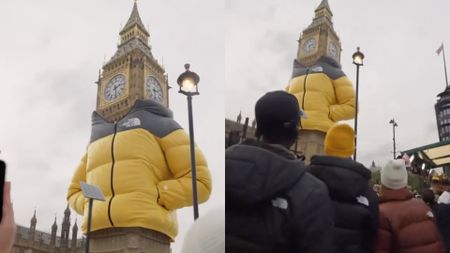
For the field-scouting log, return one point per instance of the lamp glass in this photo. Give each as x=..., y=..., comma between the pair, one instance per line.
x=411, y=159
x=188, y=85
x=423, y=166
x=358, y=60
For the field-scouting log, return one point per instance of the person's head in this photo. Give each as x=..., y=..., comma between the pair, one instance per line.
x=277, y=118
x=436, y=184
x=340, y=141
x=394, y=175
x=428, y=196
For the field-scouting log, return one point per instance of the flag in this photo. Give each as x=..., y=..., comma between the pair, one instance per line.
x=439, y=50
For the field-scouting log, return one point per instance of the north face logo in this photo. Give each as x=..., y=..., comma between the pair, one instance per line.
x=280, y=203
x=132, y=122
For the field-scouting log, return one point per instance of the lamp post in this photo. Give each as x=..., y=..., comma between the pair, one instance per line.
x=188, y=86
x=394, y=125
x=358, y=58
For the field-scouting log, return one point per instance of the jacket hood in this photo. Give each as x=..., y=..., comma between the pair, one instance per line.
x=147, y=105
x=387, y=194
x=257, y=172
x=346, y=179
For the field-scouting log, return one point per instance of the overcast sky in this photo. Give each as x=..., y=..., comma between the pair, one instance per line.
x=401, y=76
x=50, y=54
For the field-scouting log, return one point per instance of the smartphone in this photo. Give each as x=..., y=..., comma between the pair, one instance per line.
x=2, y=185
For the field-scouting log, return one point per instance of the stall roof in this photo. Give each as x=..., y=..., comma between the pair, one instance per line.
x=436, y=154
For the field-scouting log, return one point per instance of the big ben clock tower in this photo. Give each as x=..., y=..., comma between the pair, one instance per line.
x=323, y=90
x=319, y=38
x=132, y=73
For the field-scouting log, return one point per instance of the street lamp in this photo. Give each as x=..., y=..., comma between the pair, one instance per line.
x=188, y=86
x=358, y=58
x=394, y=125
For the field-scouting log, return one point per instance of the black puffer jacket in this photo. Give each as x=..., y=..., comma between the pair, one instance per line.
x=273, y=204
x=355, y=203
x=442, y=214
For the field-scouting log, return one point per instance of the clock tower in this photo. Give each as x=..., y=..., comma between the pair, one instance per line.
x=319, y=38
x=132, y=73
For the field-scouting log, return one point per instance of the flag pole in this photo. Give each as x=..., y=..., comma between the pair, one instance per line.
x=445, y=67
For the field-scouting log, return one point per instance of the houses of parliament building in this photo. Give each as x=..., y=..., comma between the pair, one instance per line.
x=30, y=240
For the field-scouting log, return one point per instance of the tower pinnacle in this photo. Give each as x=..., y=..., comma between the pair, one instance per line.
x=134, y=19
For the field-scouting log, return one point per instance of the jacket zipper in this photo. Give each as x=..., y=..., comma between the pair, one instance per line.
x=112, y=174
x=304, y=94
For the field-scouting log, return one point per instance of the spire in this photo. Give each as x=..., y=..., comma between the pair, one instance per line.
x=75, y=226
x=134, y=19
x=323, y=15
x=67, y=211
x=53, y=235
x=323, y=4
x=34, y=219
x=54, y=226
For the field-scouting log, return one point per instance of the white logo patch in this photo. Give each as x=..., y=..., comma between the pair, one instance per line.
x=316, y=69
x=280, y=203
x=132, y=122
x=362, y=200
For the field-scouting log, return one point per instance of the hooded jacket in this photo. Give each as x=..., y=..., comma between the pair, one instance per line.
x=442, y=213
x=142, y=165
x=324, y=92
x=406, y=225
x=273, y=204
x=355, y=203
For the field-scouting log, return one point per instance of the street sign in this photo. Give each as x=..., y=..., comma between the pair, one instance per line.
x=92, y=191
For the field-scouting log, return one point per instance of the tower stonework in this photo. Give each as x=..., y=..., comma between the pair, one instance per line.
x=132, y=73
x=53, y=234
x=31, y=240
x=32, y=231
x=65, y=228
x=442, y=108
x=319, y=38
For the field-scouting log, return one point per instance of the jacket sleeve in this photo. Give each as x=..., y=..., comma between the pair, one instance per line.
x=384, y=237
x=314, y=224
x=177, y=192
x=74, y=194
x=345, y=98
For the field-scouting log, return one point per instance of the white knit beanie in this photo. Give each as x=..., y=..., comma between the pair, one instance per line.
x=394, y=175
x=207, y=234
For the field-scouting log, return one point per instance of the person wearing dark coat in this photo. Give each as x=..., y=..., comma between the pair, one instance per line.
x=273, y=205
x=441, y=211
x=355, y=204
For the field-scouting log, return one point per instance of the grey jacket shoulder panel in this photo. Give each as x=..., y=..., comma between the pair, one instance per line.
x=145, y=114
x=324, y=65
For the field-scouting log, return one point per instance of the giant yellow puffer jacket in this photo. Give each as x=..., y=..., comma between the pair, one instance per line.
x=142, y=165
x=323, y=92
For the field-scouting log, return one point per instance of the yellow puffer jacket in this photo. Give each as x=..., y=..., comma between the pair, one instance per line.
x=323, y=92
x=142, y=165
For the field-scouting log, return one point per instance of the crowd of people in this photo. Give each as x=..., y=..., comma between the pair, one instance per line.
x=276, y=203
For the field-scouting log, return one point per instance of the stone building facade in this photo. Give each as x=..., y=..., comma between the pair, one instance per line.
x=30, y=240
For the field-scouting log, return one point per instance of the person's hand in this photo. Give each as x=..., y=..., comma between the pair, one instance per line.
x=7, y=226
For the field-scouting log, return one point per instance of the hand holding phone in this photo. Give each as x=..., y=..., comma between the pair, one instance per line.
x=7, y=224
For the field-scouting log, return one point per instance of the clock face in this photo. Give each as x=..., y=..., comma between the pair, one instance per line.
x=153, y=88
x=309, y=45
x=332, y=50
x=115, y=87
